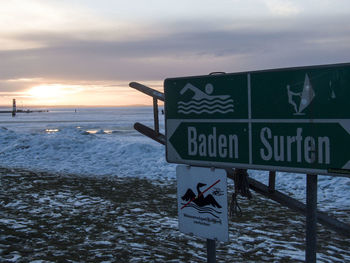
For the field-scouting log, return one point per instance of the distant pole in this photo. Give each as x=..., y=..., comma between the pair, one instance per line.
x=14, y=108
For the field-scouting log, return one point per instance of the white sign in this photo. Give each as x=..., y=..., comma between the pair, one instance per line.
x=202, y=202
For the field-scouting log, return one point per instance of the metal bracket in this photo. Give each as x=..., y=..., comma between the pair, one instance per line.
x=154, y=134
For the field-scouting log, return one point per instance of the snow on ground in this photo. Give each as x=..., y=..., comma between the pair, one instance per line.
x=333, y=192
x=55, y=218
x=82, y=153
x=100, y=142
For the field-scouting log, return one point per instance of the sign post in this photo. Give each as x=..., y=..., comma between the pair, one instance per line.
x=211, y=251
x=311, y=218
x=293, y=120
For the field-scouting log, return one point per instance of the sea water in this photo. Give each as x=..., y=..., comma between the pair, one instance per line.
x=87, y=141
x=93, y=118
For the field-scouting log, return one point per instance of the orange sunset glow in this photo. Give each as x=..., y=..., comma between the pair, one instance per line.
x=86, y=52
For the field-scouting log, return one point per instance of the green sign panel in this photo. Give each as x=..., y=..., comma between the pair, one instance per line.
x=207, y=97
x=300, y=145
x=295, y=120
x=309, y=93
x=212, y=140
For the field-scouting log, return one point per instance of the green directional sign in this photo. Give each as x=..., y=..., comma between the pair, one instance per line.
x=301, y=145
x=210, y=141
x=295, y=119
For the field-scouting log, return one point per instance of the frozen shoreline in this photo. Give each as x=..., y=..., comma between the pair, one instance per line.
x=102, y=142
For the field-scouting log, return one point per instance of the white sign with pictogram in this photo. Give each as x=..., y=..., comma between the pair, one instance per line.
x=202, y=202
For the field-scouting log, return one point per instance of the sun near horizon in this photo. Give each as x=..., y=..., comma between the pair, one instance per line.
x=81, y=95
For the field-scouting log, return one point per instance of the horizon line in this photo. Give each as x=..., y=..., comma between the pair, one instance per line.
x=78, y=106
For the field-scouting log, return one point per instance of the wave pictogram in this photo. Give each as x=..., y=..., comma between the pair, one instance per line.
x=204, y=210
x=205, y=101
x=205, y=111
x=206, y=106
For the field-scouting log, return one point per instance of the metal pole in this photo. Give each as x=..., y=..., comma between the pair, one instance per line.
x=311, y=218
x=211, y=251
x=150, y=92
x=155, y=113
x=272, y=181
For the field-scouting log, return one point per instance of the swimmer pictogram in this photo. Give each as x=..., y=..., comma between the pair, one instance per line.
x=204, y=102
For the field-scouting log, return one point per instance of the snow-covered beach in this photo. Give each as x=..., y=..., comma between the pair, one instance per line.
x=100, y=141
x=99, y=146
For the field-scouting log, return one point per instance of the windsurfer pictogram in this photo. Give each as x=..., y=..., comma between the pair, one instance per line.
x=304, y=98
x=199, y=202
x=204, y=102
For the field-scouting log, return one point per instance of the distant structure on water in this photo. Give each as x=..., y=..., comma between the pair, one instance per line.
x=13, y=107
x=15, y=111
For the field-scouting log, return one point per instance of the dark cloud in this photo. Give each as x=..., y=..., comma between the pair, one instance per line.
x=182, y=51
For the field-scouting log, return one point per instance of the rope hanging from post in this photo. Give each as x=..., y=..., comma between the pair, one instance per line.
x=240, y=178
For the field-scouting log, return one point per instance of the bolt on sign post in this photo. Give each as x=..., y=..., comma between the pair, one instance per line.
x=294, y=120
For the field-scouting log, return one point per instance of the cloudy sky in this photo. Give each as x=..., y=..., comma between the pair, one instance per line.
x=85, y=52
